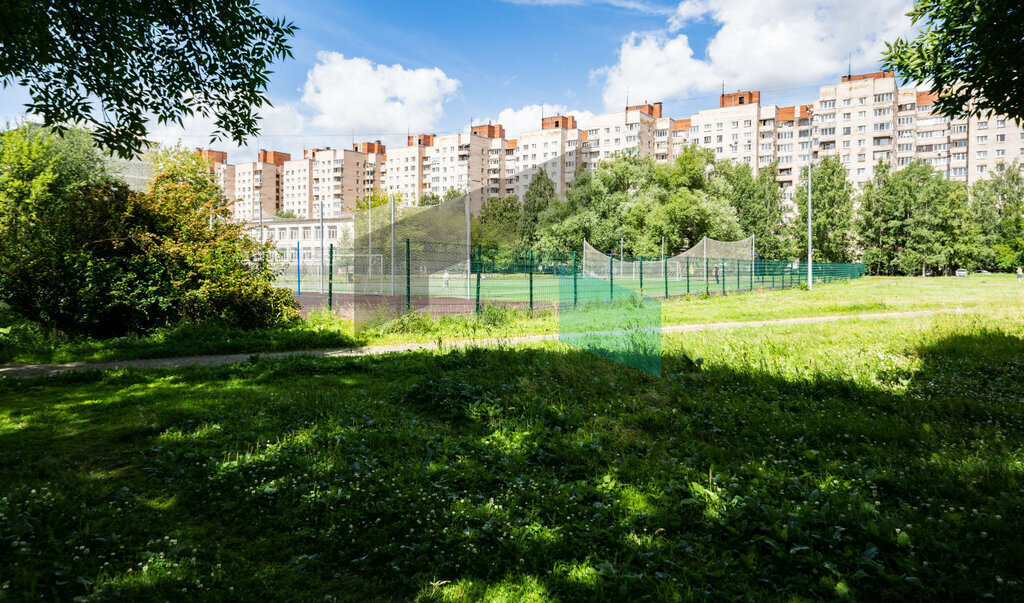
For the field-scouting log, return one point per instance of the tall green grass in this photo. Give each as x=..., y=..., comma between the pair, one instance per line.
x=866, y=460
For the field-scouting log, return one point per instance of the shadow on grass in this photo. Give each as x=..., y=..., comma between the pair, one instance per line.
x=186, y=339
x=516, y=473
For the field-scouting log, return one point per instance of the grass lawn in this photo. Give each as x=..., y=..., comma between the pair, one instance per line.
x=865, y=295
x=864, y=459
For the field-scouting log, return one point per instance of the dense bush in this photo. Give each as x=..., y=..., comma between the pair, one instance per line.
x=81, y=253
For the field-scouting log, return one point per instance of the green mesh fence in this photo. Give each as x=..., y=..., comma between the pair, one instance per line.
x=400, y=259
x=440, y=278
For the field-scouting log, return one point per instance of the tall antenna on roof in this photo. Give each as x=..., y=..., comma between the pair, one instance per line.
x=849, y=65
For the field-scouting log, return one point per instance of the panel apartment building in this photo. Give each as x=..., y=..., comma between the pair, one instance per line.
x=334, y=178
x=867, y=118
x=862, y=119
x=254, y=189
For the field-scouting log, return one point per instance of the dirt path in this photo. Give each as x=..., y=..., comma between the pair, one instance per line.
x=36, y=370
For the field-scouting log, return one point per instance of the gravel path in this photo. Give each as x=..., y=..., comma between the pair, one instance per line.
x=36, y=370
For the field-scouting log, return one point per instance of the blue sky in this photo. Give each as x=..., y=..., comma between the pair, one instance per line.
x=378, y=69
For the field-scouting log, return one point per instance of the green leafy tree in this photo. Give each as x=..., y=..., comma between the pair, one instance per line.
x=429, y=198
x=376, y=198
x=832, y=203
x=538, y=196
x=641, y=202
x=37, y=169
x=914, y=220
x=285, y=214
x=969, y=52
x=85, y=255
x=497, y=224
x=960, y=232
x=758, y=204
x=998, y=207
x=115, y=63
x=452, y=194
x=886, y=203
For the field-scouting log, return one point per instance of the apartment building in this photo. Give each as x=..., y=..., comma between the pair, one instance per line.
x=223, y=172
x=677, y=138
x=406, y=172
x=495, y=181
x=857, y=120
x=990, y=141
x=463, y=162
x=632, y=130
x=733, y=130
x=297, y=187
x=340, y=177
x=256, y=190
x=373, y=165
x=212, y=158
x=876, y=120
x=555, y=148
x=862, y=119
x=791, y=132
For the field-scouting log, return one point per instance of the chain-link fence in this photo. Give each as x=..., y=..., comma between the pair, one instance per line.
x=441, y=278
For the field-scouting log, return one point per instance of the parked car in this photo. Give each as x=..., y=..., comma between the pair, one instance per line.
x=927, y=272
x=982, y=272
x=961, y=272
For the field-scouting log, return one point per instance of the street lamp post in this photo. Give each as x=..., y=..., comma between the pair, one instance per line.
x=810, y=268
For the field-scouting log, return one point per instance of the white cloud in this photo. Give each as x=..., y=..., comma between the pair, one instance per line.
x=527, y=119
x=758, y=44
x=355, y=94
x=279, y=127
x=343, y=100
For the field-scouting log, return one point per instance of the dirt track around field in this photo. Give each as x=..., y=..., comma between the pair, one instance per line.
x=39, y=370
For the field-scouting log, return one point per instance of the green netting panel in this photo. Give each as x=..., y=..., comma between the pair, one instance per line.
x=408, y=258
x=610, y=321
x=701, y=263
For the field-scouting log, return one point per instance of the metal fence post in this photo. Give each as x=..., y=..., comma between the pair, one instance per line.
x=707, y=283
x=611, y=278
x=687, y=275
x=478, y=270
x=641, y=276
x=529, y=269
x=298, y=266
x=664, y=271
x=330, y=278
x=574, y=294
x=408, y=280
